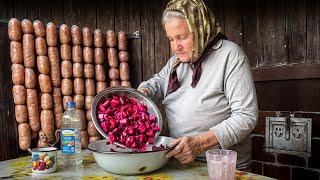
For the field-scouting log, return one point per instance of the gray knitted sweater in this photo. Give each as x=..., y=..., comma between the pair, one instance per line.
x=224, y=100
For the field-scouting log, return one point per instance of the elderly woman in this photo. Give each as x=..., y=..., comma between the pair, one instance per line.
x=206, y=87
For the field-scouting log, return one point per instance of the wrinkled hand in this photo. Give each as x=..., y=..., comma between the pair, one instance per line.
x=186, y=149
x=145, y=91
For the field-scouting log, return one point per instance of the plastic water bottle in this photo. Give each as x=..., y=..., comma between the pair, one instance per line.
x=70, y=136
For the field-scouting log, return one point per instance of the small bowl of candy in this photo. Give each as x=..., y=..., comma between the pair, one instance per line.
x=126, y=161
x=126, y=117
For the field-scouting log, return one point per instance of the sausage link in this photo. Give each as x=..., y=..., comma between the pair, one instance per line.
x=82, y=119
x=88, y=115
x=39, y=29
x=78, y=86
x=66, y=69
x=122, y=41
x=16, y=52
x=43, y=64
x=88, y=102
x=65, y=50
x=33, y=109
x=126, y=83
x=88, y=71
x=27, y=27
x=114, y=83
x=58, y=107
x=47, y=123
x=100, y=73
x=92, y=131
x=28, y=50
x=101, y=86
x=21, y=113
x=64, y=34
x=98, y=38
x=45, y=83
x=112, y=58
x=41, y=46
x=14, y=29
x=51, y=34
x=111, y=39
x=87, y=37
x=76, y=54
x=46, y=101
x=124, y=56
x=24, y=136
x=30, y=78
x=124, y=71
x=19, y=94
x=84, y=139
x=98, y=56
x=79, y=99
x=17, y=74
x=90, y=87
x=76, y=35
x=87, y=55
x=66, y=87
x=55, y=66
x=77, y=70
x=114, y=74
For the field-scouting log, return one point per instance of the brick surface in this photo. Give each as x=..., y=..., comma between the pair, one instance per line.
x=278, y=172
x=314, y=160
x=261, y=125
x=258, y=152
x=291, y=160
x=256, y=167
x=300, y=173
x=316, y=126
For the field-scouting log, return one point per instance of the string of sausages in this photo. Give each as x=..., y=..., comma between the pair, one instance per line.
x=45, y=79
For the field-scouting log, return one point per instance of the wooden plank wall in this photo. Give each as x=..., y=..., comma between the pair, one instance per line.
x=275, y=34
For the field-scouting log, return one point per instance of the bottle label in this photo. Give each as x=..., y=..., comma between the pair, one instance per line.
x=68, y=140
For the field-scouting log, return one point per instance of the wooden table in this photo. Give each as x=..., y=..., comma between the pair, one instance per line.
x=20, y=168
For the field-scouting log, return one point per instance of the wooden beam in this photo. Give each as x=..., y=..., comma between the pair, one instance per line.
x=287, y=72
x=289, y=95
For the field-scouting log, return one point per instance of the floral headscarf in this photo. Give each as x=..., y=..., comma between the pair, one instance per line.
x=206, y=30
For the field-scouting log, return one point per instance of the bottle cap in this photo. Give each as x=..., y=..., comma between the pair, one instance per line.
x=71, y=104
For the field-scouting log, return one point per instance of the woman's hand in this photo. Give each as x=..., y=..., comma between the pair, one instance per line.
x=188, y=148
x=145, y=91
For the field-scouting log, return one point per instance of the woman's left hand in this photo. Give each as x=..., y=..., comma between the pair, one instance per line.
x=186, y=149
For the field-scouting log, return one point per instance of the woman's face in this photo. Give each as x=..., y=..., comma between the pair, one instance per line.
x=180, y=38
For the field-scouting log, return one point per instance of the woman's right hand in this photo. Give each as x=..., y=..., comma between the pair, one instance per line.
x=145, y=91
